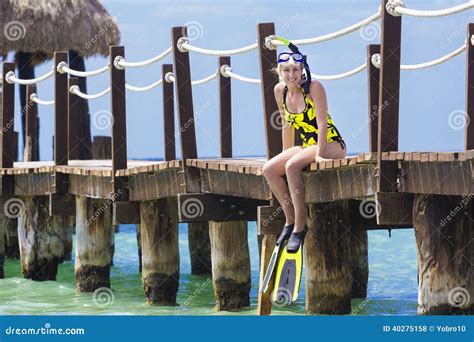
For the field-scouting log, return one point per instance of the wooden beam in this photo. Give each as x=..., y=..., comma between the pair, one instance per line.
x=394, y=208
x=126, y=213
x=31, y=147
x=168, y=114
x=210, y=207
x=270, y=220
x=74, y=106
x=7, y=155
x=469, y=130
x=225, y=109
x=62, y=205
x=373, y=75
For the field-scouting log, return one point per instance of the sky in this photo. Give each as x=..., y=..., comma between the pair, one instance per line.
x=432, y=101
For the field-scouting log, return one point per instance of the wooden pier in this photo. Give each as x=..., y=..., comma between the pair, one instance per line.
x=217, y=197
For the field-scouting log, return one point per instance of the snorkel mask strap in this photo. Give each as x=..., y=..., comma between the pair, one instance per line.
x=295, y=49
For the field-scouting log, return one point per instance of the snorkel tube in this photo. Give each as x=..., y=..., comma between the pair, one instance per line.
x=294, y=48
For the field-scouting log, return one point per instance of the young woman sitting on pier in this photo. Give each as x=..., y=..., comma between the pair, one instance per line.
x=303, y=107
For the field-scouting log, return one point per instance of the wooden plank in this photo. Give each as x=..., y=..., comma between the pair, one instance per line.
x=394, y=208
x=225, y=110
x=373, y=76
x=31, y=131
x=7, y=153
x=469, y=129
x=74, y=106
x=168, y=114
x=60, y=114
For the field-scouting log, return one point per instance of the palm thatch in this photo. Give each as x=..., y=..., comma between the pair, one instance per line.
x=45, y=26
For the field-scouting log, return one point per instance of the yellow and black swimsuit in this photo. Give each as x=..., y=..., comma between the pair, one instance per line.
x=305, y=123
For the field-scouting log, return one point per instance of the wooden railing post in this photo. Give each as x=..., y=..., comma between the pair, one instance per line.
x=373, y=82
x=31, y=152
x=168, y=111
x=74, y=103
x=469, y=130
x=225, y=108
x=119, y=124
x=7, y=123
x=182, y=75
x=389, y=94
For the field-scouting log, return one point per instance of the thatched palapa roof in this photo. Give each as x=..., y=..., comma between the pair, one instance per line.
x=46, y=26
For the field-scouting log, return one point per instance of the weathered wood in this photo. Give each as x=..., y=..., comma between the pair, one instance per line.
x=73, y=122
x=199, y=247
x=2, y=247
x=31, y=152
x=268, y=59
x=40, y=237
x=7, y=123
x=168, y=114
x=389, y=95
x=327, y=251
x=210, y=207
x=184, y=95
x=394, y=208
x=270, y=220
x=445, y=246
x=160, y=250
x=166, y=183
x=10, y=227
x=264, y=305
x=225, y=110
x=102, y=147
x=126, y=212
x=469, y=129
x=373, y=75
x=94, y=240
x=62, y=204
x=60, y=111
x=359, y=256
x=230, y=265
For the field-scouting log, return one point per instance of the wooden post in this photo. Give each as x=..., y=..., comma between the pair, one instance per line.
x=74, y=106
x=469, y=130
x=16, y=145
x=31, y=152
x=444, y=232
x=94, y=238
x=101, y=147
x=160, y=250
x=230, y=264
x=327, y=251
x=360, y=262
x=225, y=108
x=199, y=247
x=268, y=59
x=40, y=235
x=373, y=82
x=182, y=75
x=7, y=123
x=168, y=111
x=389, y=94
x=119, y=124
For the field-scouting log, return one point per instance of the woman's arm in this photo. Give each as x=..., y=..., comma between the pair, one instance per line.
x=287, y=130
x=318, y=95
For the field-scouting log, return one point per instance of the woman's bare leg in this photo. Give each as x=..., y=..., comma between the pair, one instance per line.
x=273, y=171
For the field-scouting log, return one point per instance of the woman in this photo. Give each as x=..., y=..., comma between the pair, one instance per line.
x=302, y=108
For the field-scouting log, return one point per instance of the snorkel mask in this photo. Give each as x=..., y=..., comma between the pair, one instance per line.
x=297, y=57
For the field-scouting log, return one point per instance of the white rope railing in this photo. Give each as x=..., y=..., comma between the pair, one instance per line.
x=34, y=97
x=376, y=60
x=184, y=46
x=226, y=71
x=145, y=88
x=76, y=91
x=10, y=78
x=396, y=8
x=340, y=76
x=169, y=77
x=63, y=68
x=271, y=43
x=121, y=63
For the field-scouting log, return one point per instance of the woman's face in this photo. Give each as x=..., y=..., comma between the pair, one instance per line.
x=291, y=73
